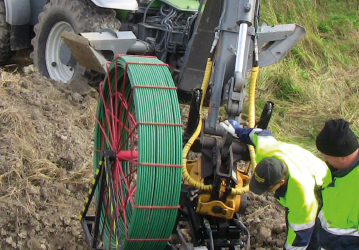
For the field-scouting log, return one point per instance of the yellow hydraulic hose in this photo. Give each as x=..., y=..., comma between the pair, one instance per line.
x=188, y=145
x=251, y=117
x=252, y=111
x=186, y=175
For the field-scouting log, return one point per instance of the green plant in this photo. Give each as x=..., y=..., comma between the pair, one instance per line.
x=324, y=27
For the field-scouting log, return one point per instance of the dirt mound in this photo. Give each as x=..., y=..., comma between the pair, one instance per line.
x=46, y=147
x=265, y=220
x=45, y=156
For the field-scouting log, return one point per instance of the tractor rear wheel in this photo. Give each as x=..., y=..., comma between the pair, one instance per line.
x=51, y=55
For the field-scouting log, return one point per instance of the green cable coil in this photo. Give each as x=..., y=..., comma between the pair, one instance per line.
x=139, y=118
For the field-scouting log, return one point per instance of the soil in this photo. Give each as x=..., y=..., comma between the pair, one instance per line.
x=46, y=145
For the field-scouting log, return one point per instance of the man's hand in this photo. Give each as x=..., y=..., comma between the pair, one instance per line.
x=231, y=126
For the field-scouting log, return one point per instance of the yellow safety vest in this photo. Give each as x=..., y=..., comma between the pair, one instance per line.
x=305, y=172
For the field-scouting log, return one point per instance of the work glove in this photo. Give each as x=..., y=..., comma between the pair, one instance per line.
x=233, y=127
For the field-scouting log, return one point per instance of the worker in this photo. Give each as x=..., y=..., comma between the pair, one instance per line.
x=293, y=174
x=338, y=220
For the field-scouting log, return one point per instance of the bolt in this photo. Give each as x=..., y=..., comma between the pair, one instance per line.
x=193, y=192
x=193, y=197
x=247, y=7
x=53, y=64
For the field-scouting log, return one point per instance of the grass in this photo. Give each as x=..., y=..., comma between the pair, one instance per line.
x=319, y=79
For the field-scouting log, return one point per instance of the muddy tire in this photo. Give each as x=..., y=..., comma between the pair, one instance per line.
x=5, y=50
x=51, y=56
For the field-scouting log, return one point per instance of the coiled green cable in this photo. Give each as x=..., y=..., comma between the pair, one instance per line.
x=159, y=144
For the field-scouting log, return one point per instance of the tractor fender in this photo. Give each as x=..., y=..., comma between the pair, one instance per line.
x=13, y=8
x=117, y=4
x=29, y=9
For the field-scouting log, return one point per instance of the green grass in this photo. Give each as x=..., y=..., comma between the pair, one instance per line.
x=319, y=79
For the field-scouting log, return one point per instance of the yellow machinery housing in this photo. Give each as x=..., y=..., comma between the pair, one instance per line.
x=222, y=209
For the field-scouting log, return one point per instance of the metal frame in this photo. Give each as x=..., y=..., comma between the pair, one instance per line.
x=89, y=222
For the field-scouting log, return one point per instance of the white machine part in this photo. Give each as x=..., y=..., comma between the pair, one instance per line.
x=117, y=4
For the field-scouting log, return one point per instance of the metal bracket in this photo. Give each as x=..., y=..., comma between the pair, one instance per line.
x=275, y=42
x=235, y=100
x=84, y=47
x=116, y=41
x=90, y=223
x=84, y=53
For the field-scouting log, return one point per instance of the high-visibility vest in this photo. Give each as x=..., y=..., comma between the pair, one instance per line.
x=340, y=212
x=305, y=173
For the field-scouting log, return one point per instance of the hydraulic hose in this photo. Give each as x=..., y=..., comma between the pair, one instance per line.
x=211, y=242
x=252, y=112
x=252, y=88
x=210, y=234
x=186, y=148
x=251, y=117
x=239, y=223
x=186, y=175
x=182, y=239
x=240, y=191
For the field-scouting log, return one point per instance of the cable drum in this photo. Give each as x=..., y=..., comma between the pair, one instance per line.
x=138, y=118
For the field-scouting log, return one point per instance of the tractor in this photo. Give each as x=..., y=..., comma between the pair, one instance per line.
x=151, y=172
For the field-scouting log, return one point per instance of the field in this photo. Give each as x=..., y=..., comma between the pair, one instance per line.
x=46, y=128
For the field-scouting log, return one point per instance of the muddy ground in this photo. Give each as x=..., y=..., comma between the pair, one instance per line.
x=46, y=142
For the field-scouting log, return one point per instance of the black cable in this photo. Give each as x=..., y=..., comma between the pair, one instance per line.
x=239, y=222
x=169, y=20
x=147, y=8
x=209, y=232
x=211, y=243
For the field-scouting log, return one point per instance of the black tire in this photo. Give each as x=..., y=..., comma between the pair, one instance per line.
x=78, y=15
x=5, y=50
